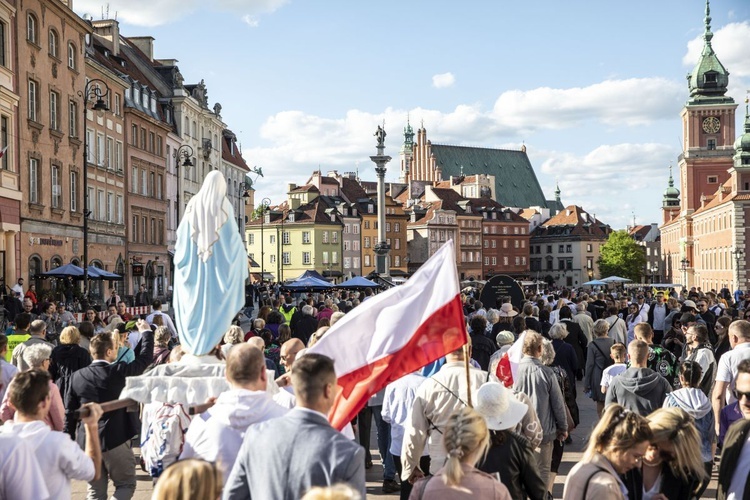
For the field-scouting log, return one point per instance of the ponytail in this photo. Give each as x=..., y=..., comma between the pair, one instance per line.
x=465, y=434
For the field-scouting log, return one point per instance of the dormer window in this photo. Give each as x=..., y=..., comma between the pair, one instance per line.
x=711, y=77
x=370, y=208
x=291, y=216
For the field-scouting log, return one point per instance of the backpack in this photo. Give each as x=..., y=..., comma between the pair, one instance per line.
x=162, y=442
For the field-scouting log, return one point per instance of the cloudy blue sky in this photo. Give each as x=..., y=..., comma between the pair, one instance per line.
x=594, y=89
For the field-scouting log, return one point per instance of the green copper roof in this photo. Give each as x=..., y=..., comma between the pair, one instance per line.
x=742, y=144
x=709, y=79
x=516, y=184
x=671, y=194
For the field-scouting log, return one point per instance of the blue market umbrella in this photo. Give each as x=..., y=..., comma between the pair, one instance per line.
x=615, y=279
x=357, y=283
x=308, y=284
x=64, y=271
x=100, y=274
x=595, y=283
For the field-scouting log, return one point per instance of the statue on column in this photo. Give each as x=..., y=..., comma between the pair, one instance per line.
x=380, y=134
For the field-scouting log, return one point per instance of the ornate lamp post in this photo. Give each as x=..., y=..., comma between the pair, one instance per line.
x=244, y=192
x=382, y=248
x=97, y=90
x=184, y=153
x=654, y=275
x=738, y=255
x=684, y=264
x=264, y=204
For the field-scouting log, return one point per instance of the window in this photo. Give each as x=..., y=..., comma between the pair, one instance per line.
x=71, y=56
x=397, y=261
x=153, y=231
x=711, y=144
x=367, y=224
x=3, y=55
x=561, y=249
x=518, y=261
x=285, y=238
x=396, y=227
x=102, y=207
x=74, y=191
x=158, y=145
x=505, y=261
x=33, y=180
x=53, y=43
x=494, y=261
x=134, y=180
x=160, y=233
x=355, y=227
x=134, y=135
x=4, y=140
x=110, y=207
x=325, y=257
x=134, y=229
x=713, y=179
x=305, y=237
x=144, y=182
x=118, y=156
x=494, y=243
x=117, y=104
x=589, y=247
x=334, y=237
x=100, y=150
x=54, y=110
x=347, y=262
x=120, y=210
x=33, y=100
x=286, y=258
x=143, y=138
x=346, y=245
x=486, y=243
x=151, y=184
x=31, y=33
x=367, y=242
x=306, y=258
x=355, y=245
x=505, y=243
x=144, y=229
x=90, y=203
x=272, y=239
x=151, y=142
x=110, y=153
x=355, y=262
x=251, y=241
x=387, y=227
x=325, y=236
x=159, y=188
x=568, y=249
x=56, y=188
x=72, y=119
x=367, y=260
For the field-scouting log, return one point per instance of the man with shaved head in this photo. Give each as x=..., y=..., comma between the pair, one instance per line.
x=216, y=434
x=289, y=352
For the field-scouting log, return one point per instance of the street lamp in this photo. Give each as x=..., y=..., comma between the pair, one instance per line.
x=264, y=204
x=184, y=153
x=738, y=255
x=243, y=190
x=95, y=89
x=684, y=264
x=654, y=276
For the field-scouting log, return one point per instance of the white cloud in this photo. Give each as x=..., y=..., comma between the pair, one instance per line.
x=443, y=80
x=611, y=180
x=612, y=102
x=730, y=43
x=155, y=13
x=250, y=21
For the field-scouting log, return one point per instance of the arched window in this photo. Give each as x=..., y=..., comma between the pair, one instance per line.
x=31, y=32
x=96, y=287
x=55, y=262
x=71, y=56
x=53, y=45
x=35, y=269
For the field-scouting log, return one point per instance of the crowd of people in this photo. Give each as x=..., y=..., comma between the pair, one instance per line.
x=668, y=375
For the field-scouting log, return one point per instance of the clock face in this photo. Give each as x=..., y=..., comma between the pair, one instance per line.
x=711, y=125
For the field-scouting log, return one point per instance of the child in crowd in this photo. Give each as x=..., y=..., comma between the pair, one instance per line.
x=618, y=354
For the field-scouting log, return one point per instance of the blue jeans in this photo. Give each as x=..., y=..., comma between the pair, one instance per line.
x=383, y=430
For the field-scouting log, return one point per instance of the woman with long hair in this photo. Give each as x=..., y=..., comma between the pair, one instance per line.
x=672, y=465
x=722, y=333
x=617, y=445
x=466, y=440
x=95, y=320
x=692, y=399
x=188, y=479
x=263, y=313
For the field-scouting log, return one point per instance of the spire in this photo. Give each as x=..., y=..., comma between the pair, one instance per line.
x=742, y=144
x=671, y=180
x=557, y=192
x=709, y=79
x=671, y=194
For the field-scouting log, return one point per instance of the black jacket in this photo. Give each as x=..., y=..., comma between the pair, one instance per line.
x=578, y=340
x=514, y=461
x=100, y=382
x=65, y=360
x=733, y=442
x=673, y=487
x=305, y=327
x=482, y=349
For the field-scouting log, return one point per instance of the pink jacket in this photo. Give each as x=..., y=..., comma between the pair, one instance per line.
x=56, y=416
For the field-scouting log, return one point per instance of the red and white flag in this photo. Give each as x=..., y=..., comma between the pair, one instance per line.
x=2, y=153
x=508, y=365
x=395, y=333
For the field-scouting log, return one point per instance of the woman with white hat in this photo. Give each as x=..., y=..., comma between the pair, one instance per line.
x=510, y=454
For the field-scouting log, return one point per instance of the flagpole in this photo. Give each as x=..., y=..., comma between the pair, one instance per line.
x=466, y=367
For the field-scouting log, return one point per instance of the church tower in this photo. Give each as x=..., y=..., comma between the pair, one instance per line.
x=407, y=153
x=708, y=127
x=671, y=202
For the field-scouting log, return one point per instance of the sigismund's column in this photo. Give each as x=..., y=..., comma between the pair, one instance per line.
x=382, y=249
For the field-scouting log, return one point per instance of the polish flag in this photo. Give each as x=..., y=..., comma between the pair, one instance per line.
x=395, y=333
x=508, y=365
x=2, y=153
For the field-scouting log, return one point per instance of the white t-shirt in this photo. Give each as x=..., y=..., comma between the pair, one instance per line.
x=727, y=370
x=611, y=372
x=20, y=474
x=59, y=457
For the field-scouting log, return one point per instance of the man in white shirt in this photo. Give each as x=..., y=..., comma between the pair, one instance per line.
x=216, y=435
x=59, y=457
x=20, y=474
x=156, y=306
x=726, y=373
x=18, y=288
x=656, y=316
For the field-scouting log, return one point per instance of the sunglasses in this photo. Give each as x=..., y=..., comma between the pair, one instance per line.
x=740, y=394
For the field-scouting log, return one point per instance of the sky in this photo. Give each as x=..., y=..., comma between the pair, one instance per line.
x=593, y=89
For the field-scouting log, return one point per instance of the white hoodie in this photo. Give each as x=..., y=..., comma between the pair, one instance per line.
x=692, y=400
x=59, y=457
x=217, y=434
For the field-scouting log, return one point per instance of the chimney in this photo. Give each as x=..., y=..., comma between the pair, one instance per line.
x=109, y=29
x=145, y=44
x=290, y=187
x=294, y=203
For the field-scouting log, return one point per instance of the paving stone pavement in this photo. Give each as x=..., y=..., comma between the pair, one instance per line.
x=573, y=454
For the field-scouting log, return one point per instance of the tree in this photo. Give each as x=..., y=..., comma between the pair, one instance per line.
x=622, y=256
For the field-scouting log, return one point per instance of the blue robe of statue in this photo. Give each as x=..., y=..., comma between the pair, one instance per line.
x=208, y=295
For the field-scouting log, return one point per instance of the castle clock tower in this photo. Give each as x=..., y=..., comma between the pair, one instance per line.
x=708, y=127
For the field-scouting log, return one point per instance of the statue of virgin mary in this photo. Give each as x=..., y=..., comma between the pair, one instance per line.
x=210, y=268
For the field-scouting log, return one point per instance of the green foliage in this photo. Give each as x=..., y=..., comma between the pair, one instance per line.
x=622, y=256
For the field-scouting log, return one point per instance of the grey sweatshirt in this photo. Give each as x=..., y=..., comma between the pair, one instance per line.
x=641, y=390
x=540, y=384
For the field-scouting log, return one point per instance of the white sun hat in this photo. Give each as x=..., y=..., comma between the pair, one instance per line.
x=499, y=407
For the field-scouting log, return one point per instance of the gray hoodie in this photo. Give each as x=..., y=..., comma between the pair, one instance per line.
x=641, y=390
x=698, y=406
